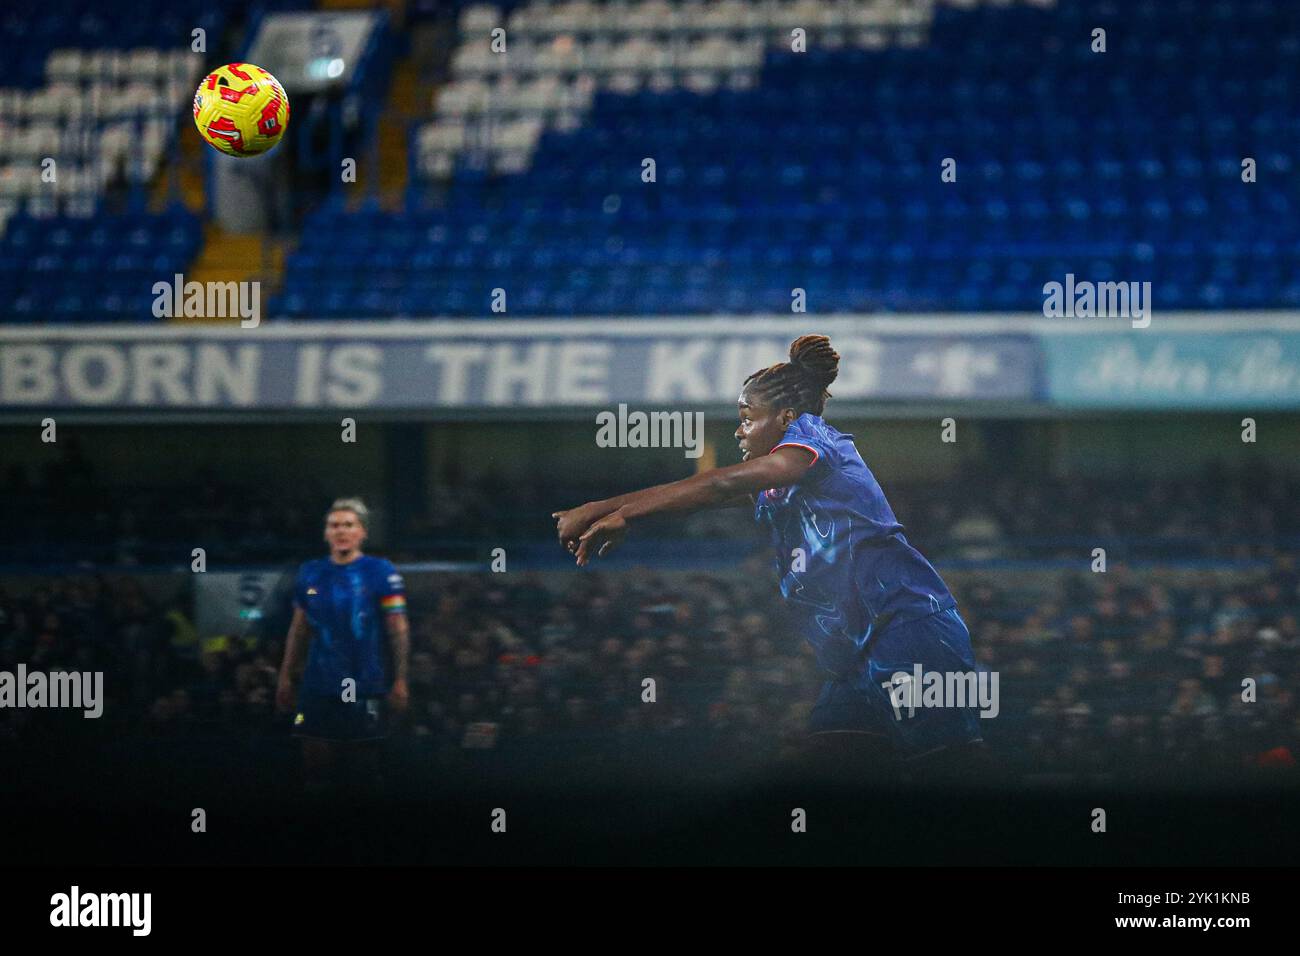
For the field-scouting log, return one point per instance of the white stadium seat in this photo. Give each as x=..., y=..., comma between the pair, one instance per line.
x=480, y=19
x=462, y=98
x=146, y=63
x=12, y=104
x=443, y=136
x=63, y=65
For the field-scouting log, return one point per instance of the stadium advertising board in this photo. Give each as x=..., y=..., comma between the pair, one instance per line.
x=1250, y=369
x=449, y=365
x=480, y=365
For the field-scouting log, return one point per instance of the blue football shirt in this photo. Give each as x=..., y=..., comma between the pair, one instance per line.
x=346, y=605
x=842, y=557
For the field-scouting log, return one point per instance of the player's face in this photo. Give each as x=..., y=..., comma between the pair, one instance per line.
x=343, y=531
x=761, y=427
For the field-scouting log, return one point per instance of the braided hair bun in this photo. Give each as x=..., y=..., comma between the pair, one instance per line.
x=801, y=382
x=816, y=359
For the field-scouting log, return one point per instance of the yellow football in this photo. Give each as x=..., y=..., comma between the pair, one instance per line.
x=241, y=109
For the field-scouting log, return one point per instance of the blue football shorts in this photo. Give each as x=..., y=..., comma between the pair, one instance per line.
x=864, y=704
x=331, y=718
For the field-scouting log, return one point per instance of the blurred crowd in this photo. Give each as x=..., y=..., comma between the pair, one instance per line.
x=63, y=513
x=66, y=513
x=1151, y=668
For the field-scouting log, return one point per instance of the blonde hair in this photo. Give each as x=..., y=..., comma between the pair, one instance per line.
x=355, y=505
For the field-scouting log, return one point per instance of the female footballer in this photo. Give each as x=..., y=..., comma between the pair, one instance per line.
x=339, y=604
x=868, y=602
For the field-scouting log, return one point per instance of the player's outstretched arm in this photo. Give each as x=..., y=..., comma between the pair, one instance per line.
x=570, y=524
x=710, y=489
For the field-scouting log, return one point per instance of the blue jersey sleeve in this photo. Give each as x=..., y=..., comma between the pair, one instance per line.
x=299, y=589
x=808, y=433
x=391, y=588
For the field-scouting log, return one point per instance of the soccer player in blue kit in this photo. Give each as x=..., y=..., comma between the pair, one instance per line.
x=868, y=602
x=349, y=621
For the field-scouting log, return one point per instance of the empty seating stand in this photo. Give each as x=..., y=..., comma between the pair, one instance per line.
x=821, y=170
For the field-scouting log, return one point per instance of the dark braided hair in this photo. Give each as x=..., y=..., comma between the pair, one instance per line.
x=801, y=382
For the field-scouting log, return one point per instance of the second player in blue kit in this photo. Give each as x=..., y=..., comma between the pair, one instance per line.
x=349, y=623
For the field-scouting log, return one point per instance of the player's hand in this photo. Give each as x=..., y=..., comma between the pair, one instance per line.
x=399, y=697
x=601, y=538
x=571, y=524
x=284, y=694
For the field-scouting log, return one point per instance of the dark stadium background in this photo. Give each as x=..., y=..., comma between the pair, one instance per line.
x=776, y=170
